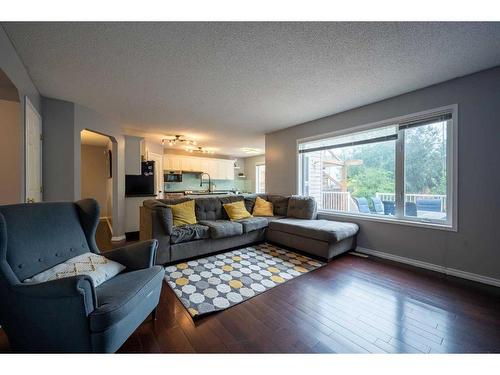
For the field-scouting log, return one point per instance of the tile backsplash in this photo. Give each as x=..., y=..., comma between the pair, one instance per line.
x=191, y=181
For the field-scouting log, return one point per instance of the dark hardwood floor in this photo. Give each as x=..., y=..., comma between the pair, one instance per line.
x=103, y=237
x=352, y=305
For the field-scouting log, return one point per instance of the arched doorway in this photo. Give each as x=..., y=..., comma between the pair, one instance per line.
x=96, y=179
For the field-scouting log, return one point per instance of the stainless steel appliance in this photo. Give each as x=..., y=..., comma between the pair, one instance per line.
x=173, y=176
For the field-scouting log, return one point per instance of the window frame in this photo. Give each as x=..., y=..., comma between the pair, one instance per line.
x=257, y=178
x=451, y=164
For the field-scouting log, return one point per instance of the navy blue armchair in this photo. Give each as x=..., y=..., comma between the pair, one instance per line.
x=69, y=314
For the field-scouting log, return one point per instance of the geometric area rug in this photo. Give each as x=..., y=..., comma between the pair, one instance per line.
x=214, y=283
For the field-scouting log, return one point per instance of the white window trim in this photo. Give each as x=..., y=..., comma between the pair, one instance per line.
x=452, y=170
x=257, y=180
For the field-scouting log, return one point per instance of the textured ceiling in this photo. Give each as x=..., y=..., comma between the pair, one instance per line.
x=229, y=83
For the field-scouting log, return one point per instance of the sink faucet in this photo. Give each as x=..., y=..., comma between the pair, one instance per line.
x=209, y=181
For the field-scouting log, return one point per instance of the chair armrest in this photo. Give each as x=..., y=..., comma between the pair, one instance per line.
x=136, y=256
x=68, y=287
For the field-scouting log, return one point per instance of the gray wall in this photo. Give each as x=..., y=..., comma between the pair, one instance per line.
x=58, y=158
x=250, y=164
x=476, y=246
x=63, y=123
x=13, y=67
x=86, y=118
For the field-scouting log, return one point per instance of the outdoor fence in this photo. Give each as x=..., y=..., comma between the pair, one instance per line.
x=342, y=200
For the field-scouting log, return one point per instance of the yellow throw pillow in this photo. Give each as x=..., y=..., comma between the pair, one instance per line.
x=183, y=213
x=237, y=210
x=262, y=208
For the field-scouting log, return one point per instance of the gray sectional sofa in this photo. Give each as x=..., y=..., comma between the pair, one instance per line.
x=294, y=224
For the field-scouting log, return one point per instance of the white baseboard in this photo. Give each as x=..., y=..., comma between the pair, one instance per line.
x=433, y=267
x=118, y=238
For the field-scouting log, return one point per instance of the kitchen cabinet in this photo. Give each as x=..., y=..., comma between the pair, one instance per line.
x=218, y=169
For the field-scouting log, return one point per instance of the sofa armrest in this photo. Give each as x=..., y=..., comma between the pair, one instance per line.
x=80, y=286
x=166, y=218
x=136, y=256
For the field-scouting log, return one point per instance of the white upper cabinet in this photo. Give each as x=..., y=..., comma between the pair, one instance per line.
x=218, y=169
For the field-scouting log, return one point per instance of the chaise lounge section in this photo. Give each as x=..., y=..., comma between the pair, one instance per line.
x=322, y=238
x=293, y=224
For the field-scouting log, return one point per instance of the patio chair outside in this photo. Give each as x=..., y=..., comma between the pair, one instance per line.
x=389, y=207
x=362, y=204
x=378, y=206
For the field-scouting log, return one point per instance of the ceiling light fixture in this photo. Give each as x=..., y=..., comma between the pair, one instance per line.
x=175, y=140
x=250, y=150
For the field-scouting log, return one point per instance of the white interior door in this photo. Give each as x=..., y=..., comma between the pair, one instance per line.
x=33, y=153
x=159, y=182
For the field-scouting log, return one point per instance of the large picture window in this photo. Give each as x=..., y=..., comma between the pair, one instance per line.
x=401, y=170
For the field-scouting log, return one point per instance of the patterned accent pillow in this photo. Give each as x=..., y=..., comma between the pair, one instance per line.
x=96, y=266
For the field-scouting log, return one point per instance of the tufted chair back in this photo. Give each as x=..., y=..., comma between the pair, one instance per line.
x=36, y=237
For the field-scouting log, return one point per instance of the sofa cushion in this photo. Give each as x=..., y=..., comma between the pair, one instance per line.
x=208, y=209
x=322, y=230
x=226, y=200
x=183, y=213
x=119, y=296
x=154, y=203
x=236, y=210
x=301, y=207
x=262, y=208
x=189, y=233
x=223, y=228
x=250, y=200
x=273, y=218
x=280, y=204
x=253, y=223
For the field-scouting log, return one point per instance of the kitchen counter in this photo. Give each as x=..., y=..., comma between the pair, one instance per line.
x=205, y=194
x=210, y=193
